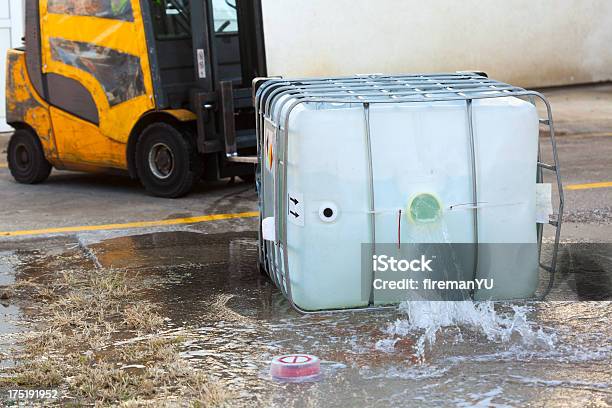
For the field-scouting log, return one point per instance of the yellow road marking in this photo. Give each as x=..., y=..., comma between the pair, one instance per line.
x=193, y=220
x=589, y=186
x=589, y=134
x=130, y=225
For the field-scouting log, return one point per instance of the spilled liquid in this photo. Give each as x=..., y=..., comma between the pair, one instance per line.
x=431, y=318
x=422, y=353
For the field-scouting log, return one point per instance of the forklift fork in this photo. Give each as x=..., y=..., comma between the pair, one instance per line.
x=228, y=125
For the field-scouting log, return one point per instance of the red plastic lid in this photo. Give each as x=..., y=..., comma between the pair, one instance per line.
x=295, y=366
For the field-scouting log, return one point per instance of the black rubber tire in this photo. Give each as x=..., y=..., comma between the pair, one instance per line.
x=26, y=158
x=186, y=167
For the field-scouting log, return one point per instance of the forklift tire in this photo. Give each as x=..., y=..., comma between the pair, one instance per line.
x=26, y=158
x=168, y=165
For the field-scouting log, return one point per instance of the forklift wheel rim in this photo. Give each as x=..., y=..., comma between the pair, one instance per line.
x=161, y=161
x=22, y=157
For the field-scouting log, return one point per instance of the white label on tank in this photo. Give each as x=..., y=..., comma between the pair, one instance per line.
x=295, y=211
x=268, y=229
x=544, y=208
x=201, y=63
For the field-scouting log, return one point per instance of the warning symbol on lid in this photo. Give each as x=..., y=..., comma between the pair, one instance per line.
x=269, y=142
x=295, y=359
x=295, y=367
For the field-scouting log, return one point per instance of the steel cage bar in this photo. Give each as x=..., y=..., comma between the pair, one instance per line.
x=467, y=95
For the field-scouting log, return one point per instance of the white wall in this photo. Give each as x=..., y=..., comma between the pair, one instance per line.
x=11, y=32
x=525, y=42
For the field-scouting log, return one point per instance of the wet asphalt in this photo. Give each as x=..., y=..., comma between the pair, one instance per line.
x=233, y=321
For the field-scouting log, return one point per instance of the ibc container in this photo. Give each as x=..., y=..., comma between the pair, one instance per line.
x=410, y=159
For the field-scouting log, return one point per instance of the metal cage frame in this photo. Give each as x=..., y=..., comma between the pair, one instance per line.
x=367, y=90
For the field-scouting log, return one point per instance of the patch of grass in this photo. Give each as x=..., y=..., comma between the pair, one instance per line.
x=151, y=350
x=83, y=314
x=105, y=383
x=45, y=373
x=207, y=393
x=142, y=317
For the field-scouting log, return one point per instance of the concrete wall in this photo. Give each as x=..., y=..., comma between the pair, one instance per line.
x=527, y=42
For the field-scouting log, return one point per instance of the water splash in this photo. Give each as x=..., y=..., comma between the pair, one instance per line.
x=539, y=382
x=429, y=318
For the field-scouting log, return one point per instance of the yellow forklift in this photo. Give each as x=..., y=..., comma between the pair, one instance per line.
x=157, y=89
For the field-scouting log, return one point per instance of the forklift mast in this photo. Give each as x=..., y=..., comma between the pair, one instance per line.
x=206, y=54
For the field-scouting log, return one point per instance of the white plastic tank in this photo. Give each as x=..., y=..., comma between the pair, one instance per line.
x=448, y=159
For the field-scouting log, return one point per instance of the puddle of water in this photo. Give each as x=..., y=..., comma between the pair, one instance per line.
x=10, y=329
x=430, y=354
x=8, y=260
x=436, y=353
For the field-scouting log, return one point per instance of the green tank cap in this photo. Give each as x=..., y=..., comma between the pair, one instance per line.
x=425, y=208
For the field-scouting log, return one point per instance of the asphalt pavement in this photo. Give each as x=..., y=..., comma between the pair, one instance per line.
x=71, y=202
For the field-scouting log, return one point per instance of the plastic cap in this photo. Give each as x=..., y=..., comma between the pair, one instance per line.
x=295, y=366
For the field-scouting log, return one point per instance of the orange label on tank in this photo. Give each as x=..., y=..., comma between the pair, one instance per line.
x=269, y=147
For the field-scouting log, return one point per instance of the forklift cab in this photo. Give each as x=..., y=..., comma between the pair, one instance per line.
x=159, y=89
x=180, y=68
x=207, y=53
